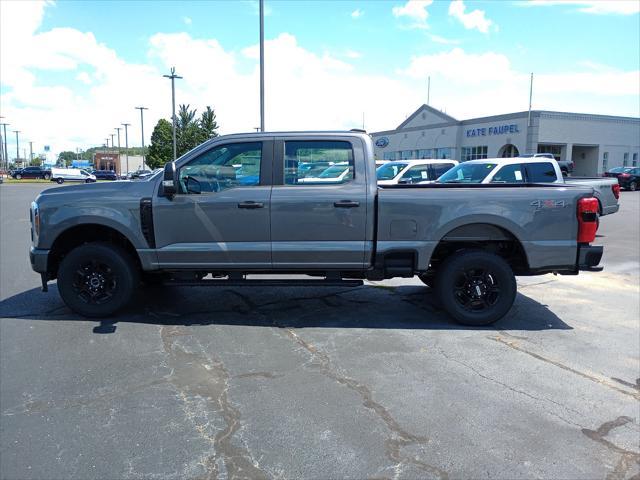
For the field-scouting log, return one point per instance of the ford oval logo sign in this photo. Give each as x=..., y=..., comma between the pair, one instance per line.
x=382, y=142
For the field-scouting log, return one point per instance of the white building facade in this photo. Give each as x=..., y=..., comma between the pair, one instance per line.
x=595, y=143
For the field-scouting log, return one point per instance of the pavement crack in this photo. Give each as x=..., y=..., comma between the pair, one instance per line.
x=627, y=457
x=399, y=437
x=593, y=378
x=202, y=384
x=515, y=390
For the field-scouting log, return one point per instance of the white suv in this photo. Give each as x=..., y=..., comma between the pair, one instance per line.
x=402, y=172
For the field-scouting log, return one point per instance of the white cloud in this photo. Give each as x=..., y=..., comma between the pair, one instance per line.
x=357, y=13
x=415, y=10
x=187, y=20
x=352, y=54
x=473, y=20
x=84, y=78
x=443, y=40
x=598, y=7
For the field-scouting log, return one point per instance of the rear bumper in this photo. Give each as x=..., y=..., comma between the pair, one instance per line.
x=39, y=259
x=589, y=257
x=610, y=209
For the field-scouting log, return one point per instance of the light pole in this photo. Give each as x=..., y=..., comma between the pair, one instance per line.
x=30, y=152
x=142, y=109
x=2, y=159
x=118, y=165
x=173, y=77
x=112, y=135
x=262, y=65
x=107, y=142
x=126, y=143
x=17, y=145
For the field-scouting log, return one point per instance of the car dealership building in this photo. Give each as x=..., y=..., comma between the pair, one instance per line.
x=595, y=143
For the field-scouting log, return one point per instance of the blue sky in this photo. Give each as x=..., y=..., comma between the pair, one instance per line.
x=328, y=62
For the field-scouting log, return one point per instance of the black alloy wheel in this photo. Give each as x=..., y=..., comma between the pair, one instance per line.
x=476, y=287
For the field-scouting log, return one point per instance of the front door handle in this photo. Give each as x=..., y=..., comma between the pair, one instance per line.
x=250, y=204
x=346, y=204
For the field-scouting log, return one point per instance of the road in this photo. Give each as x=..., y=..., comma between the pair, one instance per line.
x=372, y=382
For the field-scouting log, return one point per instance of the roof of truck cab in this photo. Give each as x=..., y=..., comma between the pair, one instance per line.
x=510, y=160
x=319, y=133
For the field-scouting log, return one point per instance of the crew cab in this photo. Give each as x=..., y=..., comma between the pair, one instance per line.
x=196, y=223
x=533, y=170
x=31, y=172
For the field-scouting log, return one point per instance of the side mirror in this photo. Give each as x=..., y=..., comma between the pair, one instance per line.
x=169, y=181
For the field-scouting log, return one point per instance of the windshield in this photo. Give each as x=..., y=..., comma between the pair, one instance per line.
x=617, y=170
x=467, y=173
x=334, y=172
x=390, y=171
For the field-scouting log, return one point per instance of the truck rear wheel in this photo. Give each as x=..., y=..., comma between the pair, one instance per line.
x=97, y=279
x=476, y=287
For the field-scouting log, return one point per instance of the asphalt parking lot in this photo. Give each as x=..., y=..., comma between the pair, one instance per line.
x=367, y=382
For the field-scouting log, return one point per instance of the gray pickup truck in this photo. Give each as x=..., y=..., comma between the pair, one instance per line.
x=239, y=205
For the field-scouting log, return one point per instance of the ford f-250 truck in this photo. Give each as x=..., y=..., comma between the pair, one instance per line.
x=239, y=205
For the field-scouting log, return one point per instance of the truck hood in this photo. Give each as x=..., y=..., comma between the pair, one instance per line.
x=96, y=191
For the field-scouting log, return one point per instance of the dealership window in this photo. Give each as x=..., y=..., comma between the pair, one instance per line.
x=605, y=161
x=635, y=160
x=446, y=152
x=473, y=153
x=406, y=154
x=425, y=153
x=554, y=150
x=625, y=160
x=389, y=156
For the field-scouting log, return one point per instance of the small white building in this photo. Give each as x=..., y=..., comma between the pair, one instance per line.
x=595, y=143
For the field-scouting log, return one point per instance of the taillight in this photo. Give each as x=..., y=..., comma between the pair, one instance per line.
x=624, y=175
x=616, y=190
x=587, y=219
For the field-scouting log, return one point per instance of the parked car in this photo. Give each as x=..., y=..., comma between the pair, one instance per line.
x=136, y=175
x=629, y=178
x=566, y=166
x=105, y=174
x=469, y=242
x=337, y=173
x=519, y=170
x=405, y=172
x=61, y=175
x=31, y=172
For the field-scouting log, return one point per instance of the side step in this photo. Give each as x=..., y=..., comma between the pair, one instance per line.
x=236, y=282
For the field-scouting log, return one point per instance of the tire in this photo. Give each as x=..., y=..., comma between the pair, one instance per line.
x=428, y=279
x=633, y=186
x=87, y=181
x=18, y=177
x=59, y=180
x=47, y=176
x=476, y=287
x=97, y=279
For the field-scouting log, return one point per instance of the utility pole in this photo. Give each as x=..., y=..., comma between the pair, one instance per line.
x=17, y=145
x=4, y=147
x=428, y=88
x=173, y=77
x=126, y=143
x=262, y=65
x=142, y=109
x=2, y=159
x=112, y=135
x=107, y=142
x=30, y=152
x=529, y=147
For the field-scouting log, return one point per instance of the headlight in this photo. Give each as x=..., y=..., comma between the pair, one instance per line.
x=35, y=213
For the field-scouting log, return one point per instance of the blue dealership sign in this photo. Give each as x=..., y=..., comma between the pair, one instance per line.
x=382, y=142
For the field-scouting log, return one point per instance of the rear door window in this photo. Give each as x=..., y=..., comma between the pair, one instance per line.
x=441, y=169
x=318, y=162
x=541, y=173
x=509, y=174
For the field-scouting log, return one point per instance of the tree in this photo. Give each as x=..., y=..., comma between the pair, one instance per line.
x=161, y=148
x=208, y=124
x=65, y=158
x=36, y=162
x=188, y=134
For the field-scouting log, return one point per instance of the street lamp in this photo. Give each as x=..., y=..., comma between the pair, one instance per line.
x=262, y=65
x=112, y=135
x=4, y=147
x=142, y=109
x=173, y=77
x=126, y=142
x=118, y=165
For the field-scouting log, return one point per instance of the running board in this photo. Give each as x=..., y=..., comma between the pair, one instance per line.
x=266, y=283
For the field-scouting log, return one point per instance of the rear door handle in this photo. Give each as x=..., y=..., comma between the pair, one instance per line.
x=346, y=204
x=250, y=204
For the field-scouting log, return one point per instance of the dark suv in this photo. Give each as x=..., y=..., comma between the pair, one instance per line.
x=105, y=174
x=629, y=178
x=31, y=172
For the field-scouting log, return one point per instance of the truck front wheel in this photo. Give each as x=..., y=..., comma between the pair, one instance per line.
x=97, y=279
x=476, y=287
